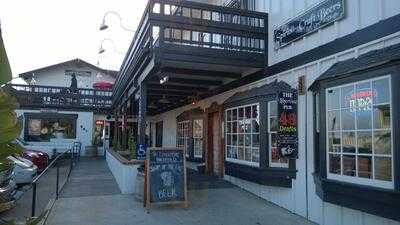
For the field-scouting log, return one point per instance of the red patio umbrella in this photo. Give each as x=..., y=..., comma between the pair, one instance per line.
x=103, y=85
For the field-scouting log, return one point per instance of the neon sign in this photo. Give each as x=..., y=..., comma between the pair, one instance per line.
x=361, y=101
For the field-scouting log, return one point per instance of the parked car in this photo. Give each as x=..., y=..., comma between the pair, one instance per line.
x=7, y=186
x=24, y=170
x=39, y=158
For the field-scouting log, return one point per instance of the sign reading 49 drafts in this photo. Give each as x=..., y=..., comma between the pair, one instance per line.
x=287, y=132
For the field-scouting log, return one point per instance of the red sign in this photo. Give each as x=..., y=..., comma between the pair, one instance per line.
x=99, y=122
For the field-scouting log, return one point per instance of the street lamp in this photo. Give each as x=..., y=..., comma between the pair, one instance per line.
x=102, y=49
x=104, y=26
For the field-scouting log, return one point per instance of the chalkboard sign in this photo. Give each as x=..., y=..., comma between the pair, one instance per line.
x=287, y=132
x=316, y=18
x=166, y=176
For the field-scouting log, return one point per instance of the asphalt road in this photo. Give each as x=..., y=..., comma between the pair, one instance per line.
x=45, y=191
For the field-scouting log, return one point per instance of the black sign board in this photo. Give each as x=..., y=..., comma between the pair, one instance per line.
x=166, y=176
x=287, y=132
x=316, y=18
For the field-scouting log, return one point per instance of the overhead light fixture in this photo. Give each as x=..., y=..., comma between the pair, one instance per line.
x=164, y=80
x=164, y=100
x=152, y=106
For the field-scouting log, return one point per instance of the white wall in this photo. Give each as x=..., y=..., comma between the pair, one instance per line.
x=359, y=14
x=85, y=119
x=56, y=76
x=294, y=199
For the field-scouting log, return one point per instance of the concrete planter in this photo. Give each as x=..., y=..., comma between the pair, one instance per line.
x=125, y=172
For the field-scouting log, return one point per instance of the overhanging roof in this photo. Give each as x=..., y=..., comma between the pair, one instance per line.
x=28, y=74
x=368, y=60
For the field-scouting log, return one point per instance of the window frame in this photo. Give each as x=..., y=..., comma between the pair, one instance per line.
x=185, y=139
x=201, y=139
x=239, y=161
x=355, y=179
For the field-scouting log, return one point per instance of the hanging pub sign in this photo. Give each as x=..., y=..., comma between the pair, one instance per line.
x=312, y=20
x=287, y=132
x=166, y=177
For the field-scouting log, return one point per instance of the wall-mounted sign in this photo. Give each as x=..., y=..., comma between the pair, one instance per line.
x=141, y=152
x=166, y=176
x=361, y=101
x=287, y=132
x=316, y=18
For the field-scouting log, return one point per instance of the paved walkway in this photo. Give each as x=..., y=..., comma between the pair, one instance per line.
x=92, y=198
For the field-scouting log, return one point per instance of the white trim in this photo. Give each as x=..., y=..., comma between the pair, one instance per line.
x=354, y=179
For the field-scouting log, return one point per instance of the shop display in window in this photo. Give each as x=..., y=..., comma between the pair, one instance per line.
x=243, y=134
x=45, y=129
x=359, y=136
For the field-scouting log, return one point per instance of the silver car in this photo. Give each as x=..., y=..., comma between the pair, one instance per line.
x=7, y=187
x=24, y=170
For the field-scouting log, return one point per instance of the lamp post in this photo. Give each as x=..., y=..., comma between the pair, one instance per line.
x=104, y=26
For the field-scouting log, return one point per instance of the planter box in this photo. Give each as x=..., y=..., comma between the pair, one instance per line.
x=124, y=171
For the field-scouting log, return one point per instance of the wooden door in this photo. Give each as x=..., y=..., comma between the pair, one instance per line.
x=213, y=147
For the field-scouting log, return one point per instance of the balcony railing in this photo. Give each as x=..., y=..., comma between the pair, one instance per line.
x=38, y=96
x=175, y=29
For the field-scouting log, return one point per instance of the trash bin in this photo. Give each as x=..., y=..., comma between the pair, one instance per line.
x=139, y=183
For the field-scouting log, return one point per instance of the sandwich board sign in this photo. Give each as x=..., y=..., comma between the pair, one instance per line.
x=165, y=177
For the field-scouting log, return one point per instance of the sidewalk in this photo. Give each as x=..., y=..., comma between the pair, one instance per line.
x=92, y=197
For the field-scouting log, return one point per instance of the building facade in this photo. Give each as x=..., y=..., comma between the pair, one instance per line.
x=340, y=58
x=55, y=113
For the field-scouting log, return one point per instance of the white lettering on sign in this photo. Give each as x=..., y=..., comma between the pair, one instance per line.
x=167, y=193
x=361, y=101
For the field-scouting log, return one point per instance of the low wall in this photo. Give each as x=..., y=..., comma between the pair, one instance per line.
x=124, y=171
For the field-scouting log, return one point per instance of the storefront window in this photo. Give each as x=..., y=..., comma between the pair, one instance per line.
x=44, y=129
x=243, y=134
x=183, y=136
x=359, y=136
x=275, y=159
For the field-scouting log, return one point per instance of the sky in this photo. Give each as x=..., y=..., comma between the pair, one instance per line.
x=39, y=33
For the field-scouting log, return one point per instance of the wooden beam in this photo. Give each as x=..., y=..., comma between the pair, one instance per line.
x=195, y=81
x=171, y=87
x=202, y=73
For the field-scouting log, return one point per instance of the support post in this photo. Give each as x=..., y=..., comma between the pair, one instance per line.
x=142, y=114
x=124, y=134
x=33, y=200
x=58, y=179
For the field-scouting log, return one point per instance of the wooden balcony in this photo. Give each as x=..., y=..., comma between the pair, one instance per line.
x=197, y=47
x=63, y=98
